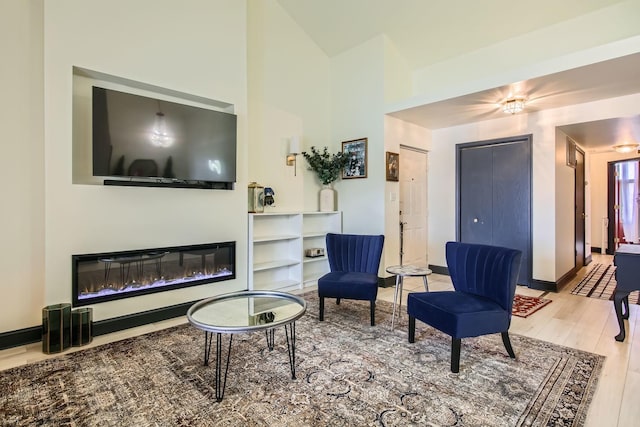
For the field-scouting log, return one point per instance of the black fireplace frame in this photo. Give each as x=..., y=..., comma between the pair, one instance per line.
x=151, y=255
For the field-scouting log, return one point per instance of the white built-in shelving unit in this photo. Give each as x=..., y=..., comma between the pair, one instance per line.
x=277, y=244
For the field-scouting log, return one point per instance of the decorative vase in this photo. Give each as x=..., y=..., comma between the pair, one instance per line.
x=327, y=199
x=56, y=328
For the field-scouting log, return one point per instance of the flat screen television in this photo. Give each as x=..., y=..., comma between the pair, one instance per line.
x=137, y=139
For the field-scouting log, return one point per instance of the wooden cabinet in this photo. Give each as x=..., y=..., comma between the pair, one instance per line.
x=277, y=243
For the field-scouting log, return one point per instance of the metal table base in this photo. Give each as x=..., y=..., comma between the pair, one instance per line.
x=400, y=272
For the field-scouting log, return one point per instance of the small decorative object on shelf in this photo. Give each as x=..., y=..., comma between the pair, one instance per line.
x=268, y=197
x=328, y=168
x=314, y=252
x=256, y=198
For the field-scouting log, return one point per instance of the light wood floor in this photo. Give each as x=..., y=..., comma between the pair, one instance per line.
x=573, y=321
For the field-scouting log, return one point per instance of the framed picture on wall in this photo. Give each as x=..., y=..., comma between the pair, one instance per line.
x=357, y=165
x=393, y=166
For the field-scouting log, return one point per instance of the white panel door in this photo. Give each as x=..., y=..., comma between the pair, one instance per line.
x=413, y=205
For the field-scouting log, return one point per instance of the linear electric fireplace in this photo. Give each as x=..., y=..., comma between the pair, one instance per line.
x=115, y=275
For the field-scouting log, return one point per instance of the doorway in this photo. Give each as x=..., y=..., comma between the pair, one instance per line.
x=580, y=217
x=493, y=196
x=413, y=206
x=623, y=203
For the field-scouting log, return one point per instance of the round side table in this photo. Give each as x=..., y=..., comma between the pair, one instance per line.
x=400, y=271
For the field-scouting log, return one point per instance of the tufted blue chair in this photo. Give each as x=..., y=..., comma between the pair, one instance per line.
x=484, y=278
x=353, y=261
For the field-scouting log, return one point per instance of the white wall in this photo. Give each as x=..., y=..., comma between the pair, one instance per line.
x=565, y=209
x=288, y=95
x=398, y=132
x=22, y=171
x=397, y=74
x=197, y=47
x=356, y=106
x=586, y=39
x=397, y=85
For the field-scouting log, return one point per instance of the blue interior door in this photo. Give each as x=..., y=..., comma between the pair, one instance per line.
x=494, y=197
x=476, y=196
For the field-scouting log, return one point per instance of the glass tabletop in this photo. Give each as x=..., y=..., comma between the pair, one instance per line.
x=246, y=311
x=408, y=270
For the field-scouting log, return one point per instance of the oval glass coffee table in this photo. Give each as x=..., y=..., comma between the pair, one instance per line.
x=246, y=311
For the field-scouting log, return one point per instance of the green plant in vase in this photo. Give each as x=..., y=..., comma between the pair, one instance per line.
x=328, y=167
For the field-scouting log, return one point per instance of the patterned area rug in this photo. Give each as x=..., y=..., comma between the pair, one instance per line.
x=600, y=282
x=349, y=373
x=525, y=306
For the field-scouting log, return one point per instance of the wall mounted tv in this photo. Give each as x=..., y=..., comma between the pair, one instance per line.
x=139, y=140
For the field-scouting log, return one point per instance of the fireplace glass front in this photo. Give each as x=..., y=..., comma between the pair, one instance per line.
x=115, y=275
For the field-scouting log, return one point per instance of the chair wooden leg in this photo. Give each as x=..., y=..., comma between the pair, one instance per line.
x=507, y=344
x=373, y=313
x=455, y=355
x=321, y=309
x=337, y=301
x=412, y=329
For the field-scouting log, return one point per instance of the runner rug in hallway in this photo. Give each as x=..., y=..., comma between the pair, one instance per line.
x=348, y=374
x=600, y=282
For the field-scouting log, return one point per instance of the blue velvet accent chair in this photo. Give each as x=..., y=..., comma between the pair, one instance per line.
x=484, y=278
x=354, y=261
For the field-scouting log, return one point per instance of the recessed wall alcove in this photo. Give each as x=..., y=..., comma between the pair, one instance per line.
x=83, y=157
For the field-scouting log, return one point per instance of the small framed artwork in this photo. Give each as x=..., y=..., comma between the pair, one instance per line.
x=393, y=166
x=357, y=165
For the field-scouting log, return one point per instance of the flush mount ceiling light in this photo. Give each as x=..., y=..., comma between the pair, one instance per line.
x=627, y=147
x=513, y=105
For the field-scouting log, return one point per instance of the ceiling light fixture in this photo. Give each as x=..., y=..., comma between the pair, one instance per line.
x=627, y=147
x=513, y=105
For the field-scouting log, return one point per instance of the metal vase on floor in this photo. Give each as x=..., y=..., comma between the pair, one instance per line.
x=82, y=326
x=56, y=328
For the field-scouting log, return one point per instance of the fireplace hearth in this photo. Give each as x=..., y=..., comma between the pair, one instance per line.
x=115, y=275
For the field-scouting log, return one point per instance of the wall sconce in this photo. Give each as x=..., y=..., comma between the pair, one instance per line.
x=294, y=150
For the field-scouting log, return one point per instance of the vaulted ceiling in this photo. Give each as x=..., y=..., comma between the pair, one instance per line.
x=428, y=32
